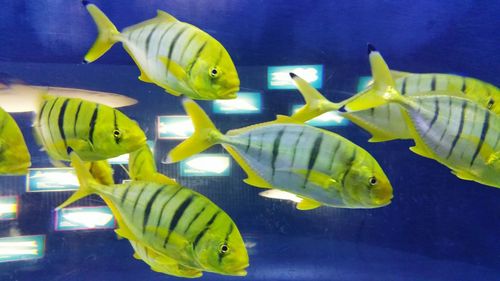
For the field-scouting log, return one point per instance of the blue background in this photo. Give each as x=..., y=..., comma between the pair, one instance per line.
x=437, y=228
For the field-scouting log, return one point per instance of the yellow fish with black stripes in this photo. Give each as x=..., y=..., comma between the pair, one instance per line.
x=385, y=122
x=174, y=55
x=184, y=230
x=94, y=131
x=455, y=131
x=15, y=158
x=321, y=167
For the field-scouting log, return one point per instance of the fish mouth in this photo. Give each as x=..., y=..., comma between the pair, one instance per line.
x=382, y=197
x=240, y=271
x=230, y=94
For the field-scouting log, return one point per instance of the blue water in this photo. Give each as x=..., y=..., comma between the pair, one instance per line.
x=437, y=227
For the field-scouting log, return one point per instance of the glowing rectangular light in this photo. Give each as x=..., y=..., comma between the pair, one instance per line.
x=123, y=159
x=83, y=218
x=51, y=179
x=8, y=207
x=245, y=103
x=174, y=127
x=278, y=77
x=22, y=248
x=363, y=82
x=206, y=165
x=328, y=119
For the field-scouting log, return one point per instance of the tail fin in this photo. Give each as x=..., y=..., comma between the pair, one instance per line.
x=316, y=103
x=85, y=179
x=107, y=33
x=205, y=134
x=383, y=84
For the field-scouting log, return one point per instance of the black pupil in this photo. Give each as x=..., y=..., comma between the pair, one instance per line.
x=224, y=248
x=116, y=133
x=214, y=71
x=373, y=180
x=490, y=103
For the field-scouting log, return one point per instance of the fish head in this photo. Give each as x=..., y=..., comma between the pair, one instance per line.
x=213, y=75
x=117, y=135
x=366, y=185
x=221, y=249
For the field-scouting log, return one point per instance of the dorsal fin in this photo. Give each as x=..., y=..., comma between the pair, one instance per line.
x=165, y=16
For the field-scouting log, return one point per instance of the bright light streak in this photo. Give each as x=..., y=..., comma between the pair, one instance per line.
x=213, y=164
x=281, y=195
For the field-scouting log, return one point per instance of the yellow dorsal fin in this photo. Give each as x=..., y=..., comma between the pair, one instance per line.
x=307, y=204
x=286, y=119
x=165, y=16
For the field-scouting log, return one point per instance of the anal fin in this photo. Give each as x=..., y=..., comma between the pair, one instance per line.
x=308, y=204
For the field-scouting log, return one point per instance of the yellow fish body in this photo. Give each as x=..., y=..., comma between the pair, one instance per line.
x=15, y=158
x=142, y=167
x=95, y=131
x=174, y=55
x=385, y=122
x=174, y=221
x=321, y=167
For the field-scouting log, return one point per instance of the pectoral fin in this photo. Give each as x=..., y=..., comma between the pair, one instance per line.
x=308, y=204
x=174, y=68
x=320, y=179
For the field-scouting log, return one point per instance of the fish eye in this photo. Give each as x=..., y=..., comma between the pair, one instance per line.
x=490, y=103
x=223, y=248
x=117, y=134
x=214, y=72
x=373, y=181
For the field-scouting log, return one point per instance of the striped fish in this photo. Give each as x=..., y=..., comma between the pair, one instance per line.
x=95, y=131
x=174, y=55
x=456, y=132
x=321, y=167
x=385, y=122
x=15, y=158
x=172, y=220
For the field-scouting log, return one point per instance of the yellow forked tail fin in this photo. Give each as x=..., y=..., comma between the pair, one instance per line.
x=84, y=178
x=316, y=103
x=383, y=84
x=107, y=33
x=205, y=134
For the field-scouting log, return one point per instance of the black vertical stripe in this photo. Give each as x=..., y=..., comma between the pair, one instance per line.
x=433, y=83
x=92, y=124
x=484, y=131
x=165, y=205
x=196, y=57
x=115, y=122
x=177, y=216
x=147, y=211
x=221, y=254
x=276, y=146
x=161, y=38
x=194, y=218
x=460, y=128
x=464, y=86
x=60, y=120
x=313, y=157
x=76, y=117
x=148, y=39
x=48, y=120
x=125, y=193
x=435, y=117
x=403, y=86
x=337, y=147
x=207, y=226
x=144, y=187
x=41, y=111
x=248, y=142
x=172, y=46
x=294, y=147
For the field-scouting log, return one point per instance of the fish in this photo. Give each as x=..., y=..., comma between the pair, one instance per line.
x=174, y=55
x=385, y=122
x=321, y=167
x=95, y=131
x=456, y=132
x=172, y=220
x=17, y=96
x=15, y=158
